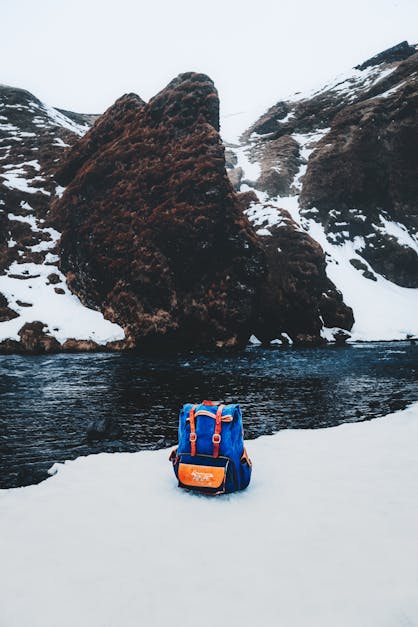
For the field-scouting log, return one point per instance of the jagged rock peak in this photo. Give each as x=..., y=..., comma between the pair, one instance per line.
x=108, y=127
x=190, y=97
x=16, y=96
x=395, y=53
x=152, y=232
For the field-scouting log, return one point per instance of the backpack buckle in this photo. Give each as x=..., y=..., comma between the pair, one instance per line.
x=216, y=438
x=193, y=437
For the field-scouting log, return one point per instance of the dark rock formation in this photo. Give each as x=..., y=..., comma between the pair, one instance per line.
x=32, y=140
x=273, y=180
x=80, y=346
x=296, y=295
x=362, y=170
x=80, y=118
x=53, y=278
x=366, y=169
x=108, y=127
x=103, y=429
x=395, y=53
x=5, y=312
x=30, y=135
x=10, y=347
x=34, y=340
x=152, y=232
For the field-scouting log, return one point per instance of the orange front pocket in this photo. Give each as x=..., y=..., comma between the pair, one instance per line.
x=201, y=476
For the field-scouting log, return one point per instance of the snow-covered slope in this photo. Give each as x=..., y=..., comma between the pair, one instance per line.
x=338, y=159
x=341, y=160
x=325, y=535
x=32, y=138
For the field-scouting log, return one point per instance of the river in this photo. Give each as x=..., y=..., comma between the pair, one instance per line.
x=48, y=402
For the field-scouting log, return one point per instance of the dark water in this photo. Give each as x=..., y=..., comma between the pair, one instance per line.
x=48, y=402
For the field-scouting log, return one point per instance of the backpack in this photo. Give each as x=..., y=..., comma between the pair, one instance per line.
x=211, y=457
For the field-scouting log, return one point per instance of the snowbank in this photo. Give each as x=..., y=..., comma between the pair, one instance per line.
x=63, y=313
x=325, y=535
x=382, y=310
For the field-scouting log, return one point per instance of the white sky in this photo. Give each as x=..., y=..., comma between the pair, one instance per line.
x=83, y=54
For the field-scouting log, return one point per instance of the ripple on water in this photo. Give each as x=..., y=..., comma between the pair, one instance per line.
x=47, y=403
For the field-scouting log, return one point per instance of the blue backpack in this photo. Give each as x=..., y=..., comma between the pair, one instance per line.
x=211, y=457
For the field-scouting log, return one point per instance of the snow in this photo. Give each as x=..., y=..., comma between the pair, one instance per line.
x=61, y=120
x=27, y=134
x=345, y=83
x=254, y=340
x=265, y=216
x=63, y=314
x=287, y=117
x=28, y=219
x=16, y=177
x=325, y=535
x=382, y=309
x=8, y=127
x=329, y=333
x=391, y=91
x=399, y=232
x=252, y=169
x=59, y=142
x=288, y=338
x=233, y=124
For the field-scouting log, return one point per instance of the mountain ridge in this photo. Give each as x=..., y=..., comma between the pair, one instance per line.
x=341, y=160
x=291, y=174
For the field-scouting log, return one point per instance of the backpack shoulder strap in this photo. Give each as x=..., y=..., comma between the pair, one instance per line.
x=216, y=438
x=193, y=436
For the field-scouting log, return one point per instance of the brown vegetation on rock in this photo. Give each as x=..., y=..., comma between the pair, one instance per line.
x=80, y=346
x=34, y=340
x=364, y=170
x=153, y=234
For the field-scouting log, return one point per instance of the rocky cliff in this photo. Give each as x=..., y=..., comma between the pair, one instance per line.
x=152, y=233
x=33, y=138
x=123, y=230
x=343, y=161
x=297, y=298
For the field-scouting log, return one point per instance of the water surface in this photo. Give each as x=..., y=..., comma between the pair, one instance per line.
x=48, y=402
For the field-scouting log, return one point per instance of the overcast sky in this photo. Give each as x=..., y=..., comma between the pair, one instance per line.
x=83, y=54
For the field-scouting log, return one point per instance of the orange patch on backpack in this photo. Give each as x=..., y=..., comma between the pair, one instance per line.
x=201, y=476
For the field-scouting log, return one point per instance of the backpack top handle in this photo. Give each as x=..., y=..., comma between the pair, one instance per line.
x=212, y=403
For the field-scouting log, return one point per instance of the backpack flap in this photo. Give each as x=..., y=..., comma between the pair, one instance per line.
x=204, y=473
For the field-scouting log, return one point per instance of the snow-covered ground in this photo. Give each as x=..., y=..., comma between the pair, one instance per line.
x=33, y=296
x=382, y=309
x=63, y=314
x=325, y=535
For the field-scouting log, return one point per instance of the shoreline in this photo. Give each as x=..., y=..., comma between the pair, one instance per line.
x=74, y=347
